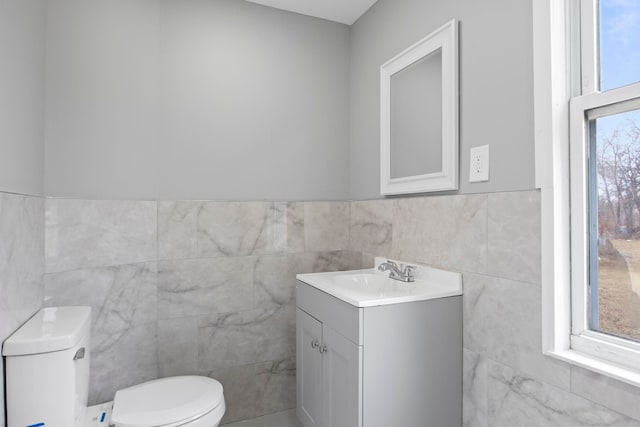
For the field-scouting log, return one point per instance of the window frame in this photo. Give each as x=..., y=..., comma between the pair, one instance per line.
x=584, y=108
x=566, y=82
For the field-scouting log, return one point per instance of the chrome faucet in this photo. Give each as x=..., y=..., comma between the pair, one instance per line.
x=402, y=272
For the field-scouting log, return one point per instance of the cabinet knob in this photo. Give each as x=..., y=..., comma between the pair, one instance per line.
x=315, y=344
x=323, y=349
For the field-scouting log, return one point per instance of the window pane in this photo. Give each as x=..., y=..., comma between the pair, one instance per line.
x=615, y=225
x=619, y=43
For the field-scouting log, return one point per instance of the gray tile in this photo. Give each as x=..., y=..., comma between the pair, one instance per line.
x=178, y=229
x=120, y=296
x=232, y=339
x=123, y=360
x=21, y=265
x=517, y=400
x=195, y=287
x=276, y=386
x=355, y=260
x=368, y=260
x=124, y=313
x=190, y=229
x=97, y=233
x=279, y=419
x=124, y=321
x=275, y=275
x=228, y=339
x=502, y=320
x=330, y=261
x=513, y=249
x=275, y=278
x=243, y=228
x=178, y=346
x=287, y=226
x=445, y=231
x=474, y=390
x=371, y=227
x=21, y=260
x=421, y=230
x=606, y=391
x=277, y=334
x=469, y=233
x=326, y=226
x=253, y=422
x=240, y=388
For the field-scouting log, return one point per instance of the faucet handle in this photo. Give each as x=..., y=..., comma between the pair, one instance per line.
x=409, y=270
x=398, y=271
x=388, y=263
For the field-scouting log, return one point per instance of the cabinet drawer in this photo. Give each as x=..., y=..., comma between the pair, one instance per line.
x=338, y=315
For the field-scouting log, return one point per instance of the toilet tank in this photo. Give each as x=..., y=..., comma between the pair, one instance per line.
x=47, y=369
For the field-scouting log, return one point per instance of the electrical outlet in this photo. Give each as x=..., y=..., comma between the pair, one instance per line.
x=479, y=164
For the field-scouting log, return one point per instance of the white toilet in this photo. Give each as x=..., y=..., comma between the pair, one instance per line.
x=47, y=382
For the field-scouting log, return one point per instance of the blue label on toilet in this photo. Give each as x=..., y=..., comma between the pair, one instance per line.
x=104, y=414
x=36, y=425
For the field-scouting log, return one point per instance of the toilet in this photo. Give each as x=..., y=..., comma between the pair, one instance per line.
x=47, y=382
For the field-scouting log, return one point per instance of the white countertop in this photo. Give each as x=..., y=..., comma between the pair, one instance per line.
x=370, y=287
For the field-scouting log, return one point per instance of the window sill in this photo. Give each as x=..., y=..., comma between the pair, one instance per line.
x=600, y=366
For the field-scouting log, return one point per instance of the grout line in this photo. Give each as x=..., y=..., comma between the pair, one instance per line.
x=11, y=193
x=486, y=238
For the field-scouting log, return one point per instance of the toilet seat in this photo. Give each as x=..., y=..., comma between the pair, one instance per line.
x=166, y=402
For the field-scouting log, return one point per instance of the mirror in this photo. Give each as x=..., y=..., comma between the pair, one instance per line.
x=416, y=118
x=419, y=116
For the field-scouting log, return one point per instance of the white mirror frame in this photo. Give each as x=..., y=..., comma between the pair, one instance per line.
x=446, y=39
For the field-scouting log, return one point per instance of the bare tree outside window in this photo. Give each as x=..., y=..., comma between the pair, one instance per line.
x=615, y=139
x=618, y=219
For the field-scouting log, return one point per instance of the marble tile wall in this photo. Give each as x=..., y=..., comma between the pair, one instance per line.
x=193, y=287
x=186, y=287
x=494, y=240
x=21, y=265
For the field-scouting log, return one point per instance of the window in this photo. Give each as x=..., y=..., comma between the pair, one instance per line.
x=590, y=190
x=605, y=184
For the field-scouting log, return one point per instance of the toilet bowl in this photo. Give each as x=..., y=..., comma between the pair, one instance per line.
x=189, y=401
x=47, y=382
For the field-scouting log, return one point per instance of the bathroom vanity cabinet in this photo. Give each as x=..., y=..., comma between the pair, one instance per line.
x=378, y=366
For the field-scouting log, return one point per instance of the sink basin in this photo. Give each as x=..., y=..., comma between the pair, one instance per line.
x=366, y=281
x=370, y=287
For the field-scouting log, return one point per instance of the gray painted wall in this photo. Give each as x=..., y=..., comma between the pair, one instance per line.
x=101, y=112
x=195, y=99
x=21, y=96
x=496, y=85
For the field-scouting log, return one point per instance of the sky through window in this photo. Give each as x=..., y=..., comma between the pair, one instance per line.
x=619, y=43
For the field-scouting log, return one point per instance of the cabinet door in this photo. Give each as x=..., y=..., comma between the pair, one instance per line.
x=308, y=369
x=341, y=381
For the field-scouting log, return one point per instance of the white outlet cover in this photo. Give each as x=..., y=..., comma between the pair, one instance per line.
x=479, y=164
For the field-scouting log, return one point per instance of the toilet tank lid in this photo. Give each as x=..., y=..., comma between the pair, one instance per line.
x=50, y=329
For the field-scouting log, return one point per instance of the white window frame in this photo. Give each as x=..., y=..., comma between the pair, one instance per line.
x=565, y=82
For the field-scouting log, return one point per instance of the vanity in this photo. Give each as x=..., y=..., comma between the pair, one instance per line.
x=377, y=352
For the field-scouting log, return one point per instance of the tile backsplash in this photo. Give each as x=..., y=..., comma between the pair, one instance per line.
x=193, y=287
x=21, y=265
x=208, y=287
x=83, y=234
x=494, y=241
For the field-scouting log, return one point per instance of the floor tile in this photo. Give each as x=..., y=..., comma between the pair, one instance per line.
x=279, y=419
